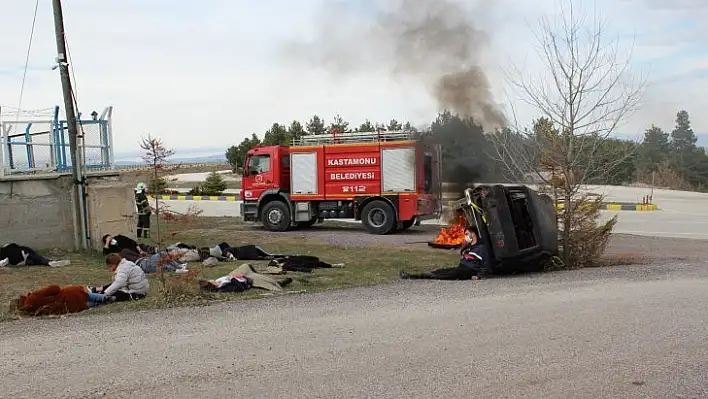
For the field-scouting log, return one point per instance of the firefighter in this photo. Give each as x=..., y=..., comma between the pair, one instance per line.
x=473, y=265
x=144, y=211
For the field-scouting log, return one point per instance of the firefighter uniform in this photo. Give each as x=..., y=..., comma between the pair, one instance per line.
x=144, y=212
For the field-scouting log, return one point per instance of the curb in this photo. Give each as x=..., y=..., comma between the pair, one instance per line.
x=624, y=206
x=629, y=206
x=196, y=197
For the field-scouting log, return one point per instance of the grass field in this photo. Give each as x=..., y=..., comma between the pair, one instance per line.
x=364, y=265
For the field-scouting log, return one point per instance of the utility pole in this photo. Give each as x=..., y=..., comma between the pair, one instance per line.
x=63, y=65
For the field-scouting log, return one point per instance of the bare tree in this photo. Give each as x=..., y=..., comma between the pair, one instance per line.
x=156, y=156
x=586, y=93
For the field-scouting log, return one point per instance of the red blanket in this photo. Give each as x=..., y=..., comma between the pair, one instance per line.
x=54, y=300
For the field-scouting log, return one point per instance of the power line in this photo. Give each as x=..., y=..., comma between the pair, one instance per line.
x=27, y=57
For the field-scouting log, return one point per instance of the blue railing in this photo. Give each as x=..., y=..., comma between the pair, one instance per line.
x=44, y=144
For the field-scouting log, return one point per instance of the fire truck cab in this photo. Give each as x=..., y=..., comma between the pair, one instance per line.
x=387, y=179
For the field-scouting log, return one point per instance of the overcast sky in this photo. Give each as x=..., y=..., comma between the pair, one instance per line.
x=203, y=74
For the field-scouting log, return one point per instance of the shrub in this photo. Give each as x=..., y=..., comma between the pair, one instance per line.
x=213, y=185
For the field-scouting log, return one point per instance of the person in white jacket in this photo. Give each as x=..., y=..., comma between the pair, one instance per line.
x=130, y=282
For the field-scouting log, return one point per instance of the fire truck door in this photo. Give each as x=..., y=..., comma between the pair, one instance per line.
x=259, y=176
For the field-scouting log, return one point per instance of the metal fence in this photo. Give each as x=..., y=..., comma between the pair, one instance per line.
x=40, y=142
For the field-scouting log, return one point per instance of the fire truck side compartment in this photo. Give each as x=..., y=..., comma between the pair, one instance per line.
x=351, y=175
x=303, y=173
x=398, y=170
x=350, y=170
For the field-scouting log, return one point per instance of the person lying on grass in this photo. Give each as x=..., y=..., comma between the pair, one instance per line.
x=114, y=244
x=19, y=255
x=151, y=263
x=130, y=282
x=473, y=264
x=57, y=300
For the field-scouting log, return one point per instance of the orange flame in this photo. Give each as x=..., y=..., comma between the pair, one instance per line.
x=453, y=234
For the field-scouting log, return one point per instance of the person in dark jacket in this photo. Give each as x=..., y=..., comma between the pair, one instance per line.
x=144, y=212
x=115, y=244
x=473, y=264
x=19, y=255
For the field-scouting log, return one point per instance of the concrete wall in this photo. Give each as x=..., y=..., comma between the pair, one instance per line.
x=37, y=210
x=111, y=209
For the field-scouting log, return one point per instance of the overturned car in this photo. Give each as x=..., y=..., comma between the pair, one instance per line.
x=517, y=224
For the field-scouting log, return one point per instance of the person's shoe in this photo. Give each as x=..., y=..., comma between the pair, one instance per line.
x=4, y=262
x=405, y=275
x=59, y=263
x=338, y=265
x=183, y=270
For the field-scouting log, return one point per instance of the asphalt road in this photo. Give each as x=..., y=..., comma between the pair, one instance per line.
x=613, y=332
x=683, y=214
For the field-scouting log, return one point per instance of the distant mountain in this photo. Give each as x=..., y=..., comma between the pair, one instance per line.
x=176, y=160
x=182, y=155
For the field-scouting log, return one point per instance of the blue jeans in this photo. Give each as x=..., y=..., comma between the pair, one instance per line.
x=95, y=299
x=150, y=264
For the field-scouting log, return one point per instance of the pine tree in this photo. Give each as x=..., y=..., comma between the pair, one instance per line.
x=295, y=131
x=213, y=185
x=683, y=145
x=339, y=124
x=654, y=149
x=276, y=135
x=157, y=186
x=315, y=126
x=367, y=126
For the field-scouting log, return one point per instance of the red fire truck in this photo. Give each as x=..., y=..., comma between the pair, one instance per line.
x=387, y=179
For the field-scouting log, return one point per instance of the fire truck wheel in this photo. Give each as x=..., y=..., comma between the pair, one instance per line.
x=276, y=216
x=378, y=217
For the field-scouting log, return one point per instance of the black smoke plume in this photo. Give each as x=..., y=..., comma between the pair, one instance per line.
x=436, y=42
x=465, y=152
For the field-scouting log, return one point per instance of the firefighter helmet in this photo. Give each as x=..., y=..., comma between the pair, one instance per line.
x=140, y=187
